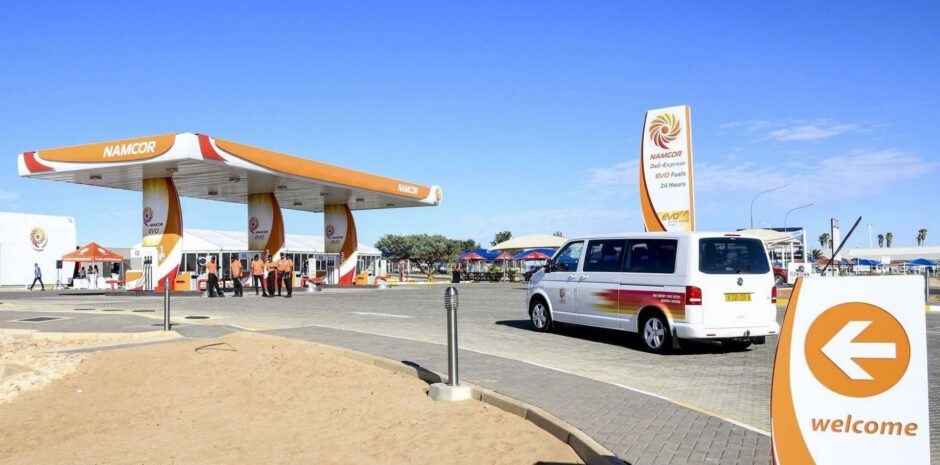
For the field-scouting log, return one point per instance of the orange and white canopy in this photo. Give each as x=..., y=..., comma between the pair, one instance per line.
x=92, y=253
x=209, y=168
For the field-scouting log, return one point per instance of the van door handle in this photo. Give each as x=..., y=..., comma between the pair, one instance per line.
x=572, y=276
x=584, y=276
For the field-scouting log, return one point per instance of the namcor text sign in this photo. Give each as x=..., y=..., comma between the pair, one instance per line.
x=850, y=376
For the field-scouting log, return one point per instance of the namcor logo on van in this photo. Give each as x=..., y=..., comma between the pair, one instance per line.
x=133, y=148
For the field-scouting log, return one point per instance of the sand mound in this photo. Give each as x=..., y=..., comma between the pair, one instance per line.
x=249, y=398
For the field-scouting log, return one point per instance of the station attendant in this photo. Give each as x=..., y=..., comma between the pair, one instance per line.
x=272, y=275
x=212, y=270
x=285, y=266
x=236, y=271
x=281, y=272
x=257, y=275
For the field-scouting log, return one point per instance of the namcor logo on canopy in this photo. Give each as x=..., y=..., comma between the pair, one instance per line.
x=133, y=148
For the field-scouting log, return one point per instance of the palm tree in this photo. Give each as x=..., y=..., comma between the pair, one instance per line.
x=815, y=254
x=881, y=240
x=889, y=238
x=824, y=240
x=921, y=236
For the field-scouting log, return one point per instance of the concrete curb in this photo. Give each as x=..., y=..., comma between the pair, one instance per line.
x=589, y=450
x=103, y=337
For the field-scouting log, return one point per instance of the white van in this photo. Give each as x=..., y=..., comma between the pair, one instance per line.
x=667, y=286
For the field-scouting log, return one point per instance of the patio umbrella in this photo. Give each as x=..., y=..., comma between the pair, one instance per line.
x=921, y=262
x=505, y=257
x=534, y=255
x=472, y=257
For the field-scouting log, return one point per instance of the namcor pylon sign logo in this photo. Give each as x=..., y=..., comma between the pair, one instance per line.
x=850, y=376
x=666, y=194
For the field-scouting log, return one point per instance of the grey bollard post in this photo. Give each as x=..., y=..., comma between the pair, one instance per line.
x=451, y=302
x=166, y=304
x=452, y=391
x=926, y=286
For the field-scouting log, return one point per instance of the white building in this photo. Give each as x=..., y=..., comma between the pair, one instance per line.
x=26, y=239
x=306, y=251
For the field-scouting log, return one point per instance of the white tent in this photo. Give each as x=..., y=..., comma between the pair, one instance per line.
x=532, y=241
x=771, y=237
x=205, y=240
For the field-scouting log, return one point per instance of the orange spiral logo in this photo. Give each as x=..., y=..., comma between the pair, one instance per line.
x=37, y=236
x=664, y=129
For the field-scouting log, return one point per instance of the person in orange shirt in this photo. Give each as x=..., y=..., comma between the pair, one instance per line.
x=272, y=275
x=286, y=268
x=257, y=275
x=212, y=270
x=281, y=273
x=236, y=272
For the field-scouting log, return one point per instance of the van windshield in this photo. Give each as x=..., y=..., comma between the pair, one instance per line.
x=732, y=255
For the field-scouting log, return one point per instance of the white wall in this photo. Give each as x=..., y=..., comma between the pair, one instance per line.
x=17, y=253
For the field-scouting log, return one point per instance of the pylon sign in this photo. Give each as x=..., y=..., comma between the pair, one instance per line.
x=850, y=376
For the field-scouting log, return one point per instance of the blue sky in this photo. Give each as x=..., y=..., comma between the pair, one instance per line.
x=528, y=114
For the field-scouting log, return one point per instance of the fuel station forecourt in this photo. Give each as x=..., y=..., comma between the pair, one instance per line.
x=165, y=167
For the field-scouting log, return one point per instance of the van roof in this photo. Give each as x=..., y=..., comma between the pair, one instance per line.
x=668, y=234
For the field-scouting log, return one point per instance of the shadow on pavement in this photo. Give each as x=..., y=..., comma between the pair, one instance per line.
x=423, y=373
x=621, y=338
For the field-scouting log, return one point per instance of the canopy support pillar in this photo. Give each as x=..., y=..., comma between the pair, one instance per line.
x=339, y=236
x=163, y=231
x=265, y=224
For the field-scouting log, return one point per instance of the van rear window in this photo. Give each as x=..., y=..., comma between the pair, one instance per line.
x=732, y=255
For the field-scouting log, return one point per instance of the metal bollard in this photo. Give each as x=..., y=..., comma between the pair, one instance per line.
x=451, y=302
x=926, y=286
x=166, y=304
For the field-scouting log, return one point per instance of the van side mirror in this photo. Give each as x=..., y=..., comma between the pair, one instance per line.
x=548, y=266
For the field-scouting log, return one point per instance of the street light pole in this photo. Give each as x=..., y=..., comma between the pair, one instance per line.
x=788, y=232
x=760, y=194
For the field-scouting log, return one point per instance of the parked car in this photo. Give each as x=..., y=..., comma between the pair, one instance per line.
x=780, y=276
x=665, y=286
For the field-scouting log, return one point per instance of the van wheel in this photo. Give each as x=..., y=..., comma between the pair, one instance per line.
x=655, y=334
x=539, y=316
x=736, y=346
x=779, y=279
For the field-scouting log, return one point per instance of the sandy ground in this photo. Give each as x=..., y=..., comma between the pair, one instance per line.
x=27, y=364
x=250, y=398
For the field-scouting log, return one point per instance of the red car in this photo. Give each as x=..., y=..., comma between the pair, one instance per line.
x=780, y=276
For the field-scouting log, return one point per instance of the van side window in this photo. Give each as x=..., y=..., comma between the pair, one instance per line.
x=605, y=255
x=569, y=257
x=651, y=256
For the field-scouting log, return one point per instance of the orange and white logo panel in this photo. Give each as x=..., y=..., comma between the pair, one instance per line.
x=265, y=224
x=339, y=236
x=666, y=191
x=850, y=375
x=162, y=224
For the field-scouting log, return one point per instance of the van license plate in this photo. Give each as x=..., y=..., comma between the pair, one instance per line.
x=738, y=297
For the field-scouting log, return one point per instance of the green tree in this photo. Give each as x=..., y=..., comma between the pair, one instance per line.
x=559, y=234
x=815, y=254
x=501, y=236
x=889, y=238
x=427, y=251
x=921, y=236
x=824, y=240
x=881, y=240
